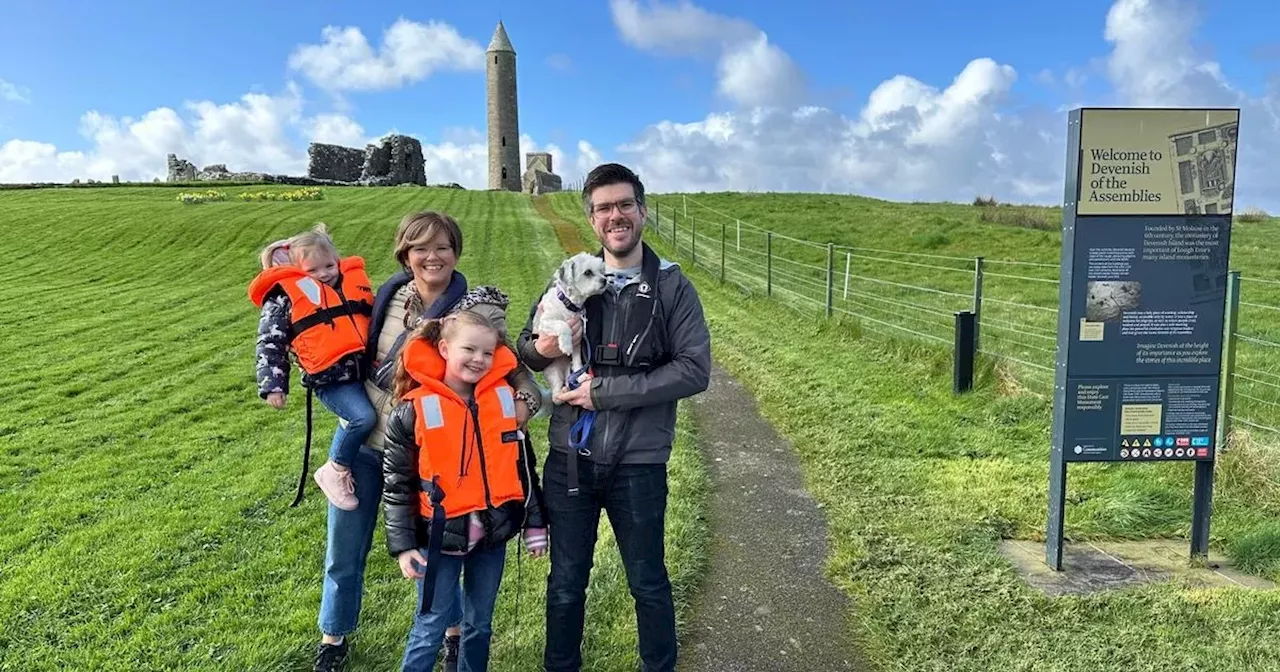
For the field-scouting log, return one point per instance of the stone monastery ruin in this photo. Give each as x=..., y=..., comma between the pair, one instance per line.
x=398, y=159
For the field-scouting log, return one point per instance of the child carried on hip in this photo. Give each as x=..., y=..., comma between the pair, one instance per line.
x=316, y=305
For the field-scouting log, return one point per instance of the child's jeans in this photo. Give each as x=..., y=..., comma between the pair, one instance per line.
x=481, y=571
x=349, y=402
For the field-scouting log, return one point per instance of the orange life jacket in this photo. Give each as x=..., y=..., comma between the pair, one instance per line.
x=327, y=324
x=469, y=450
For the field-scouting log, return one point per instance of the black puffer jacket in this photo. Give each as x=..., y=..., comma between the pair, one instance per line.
x=407, y=529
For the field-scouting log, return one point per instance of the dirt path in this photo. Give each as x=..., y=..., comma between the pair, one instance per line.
x=764, y=604
x=566, y=232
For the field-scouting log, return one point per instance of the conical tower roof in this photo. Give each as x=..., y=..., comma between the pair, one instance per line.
x=500, y=41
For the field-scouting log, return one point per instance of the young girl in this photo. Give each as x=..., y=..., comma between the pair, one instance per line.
x=317, y=305
x=458, y=481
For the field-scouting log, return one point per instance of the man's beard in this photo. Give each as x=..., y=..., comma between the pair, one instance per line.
x=603, y=237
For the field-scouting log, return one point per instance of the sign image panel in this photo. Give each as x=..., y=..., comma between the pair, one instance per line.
x=1157, y=161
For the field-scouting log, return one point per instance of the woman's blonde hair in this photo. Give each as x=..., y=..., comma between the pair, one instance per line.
x=435, y=330
x=420, y=227
x=300, y=246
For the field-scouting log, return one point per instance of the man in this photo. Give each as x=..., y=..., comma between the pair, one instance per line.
x=650, y=348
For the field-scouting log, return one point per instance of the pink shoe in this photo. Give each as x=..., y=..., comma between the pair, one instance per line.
x=337, y=486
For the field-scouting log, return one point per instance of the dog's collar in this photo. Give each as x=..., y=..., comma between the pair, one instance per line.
x=568, y=303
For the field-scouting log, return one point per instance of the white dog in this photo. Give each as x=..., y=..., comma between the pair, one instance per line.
x=579, y=278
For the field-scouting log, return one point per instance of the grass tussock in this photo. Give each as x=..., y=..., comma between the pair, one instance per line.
x=1024, y=217
x=1253, y=215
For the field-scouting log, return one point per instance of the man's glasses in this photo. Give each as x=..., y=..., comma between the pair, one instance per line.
x=626, y=207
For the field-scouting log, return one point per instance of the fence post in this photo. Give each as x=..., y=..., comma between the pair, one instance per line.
x=965, y=345
x=977, y=303
x=722, y=242
x=768, y=263
x=675, y=241
x=1227, y=400
x=685, y=202
x=1202, y=490
x=693, y=241
x=831, y=251
x=739, y=235
x=848, y=259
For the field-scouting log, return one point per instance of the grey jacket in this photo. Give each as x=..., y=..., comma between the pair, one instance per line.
x=636, y=412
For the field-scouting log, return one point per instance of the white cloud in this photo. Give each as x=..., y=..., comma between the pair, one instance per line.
x=251, y=134
x=757, y=73
x=462, y=156
x=410, y=52
x=910, y=140
x=913, y=140
x=14, y=93
x=680, y=29
x=588, y=158
x=560, y=62
x=751, y=71
x=1154, y=63
x=337, y=129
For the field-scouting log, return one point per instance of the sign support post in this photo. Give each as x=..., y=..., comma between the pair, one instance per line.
x=1146, y=234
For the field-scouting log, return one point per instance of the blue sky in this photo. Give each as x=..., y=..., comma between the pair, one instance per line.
x=610, y=74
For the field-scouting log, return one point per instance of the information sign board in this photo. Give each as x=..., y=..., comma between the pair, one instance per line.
x=1143, y=289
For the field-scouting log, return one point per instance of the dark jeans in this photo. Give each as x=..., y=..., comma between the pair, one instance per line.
x=481, y=572
x=636, y=503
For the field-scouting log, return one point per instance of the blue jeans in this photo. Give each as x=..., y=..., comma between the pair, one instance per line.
x=350, y=538
x=481, y=571
x=349, y=402
x=636, y=504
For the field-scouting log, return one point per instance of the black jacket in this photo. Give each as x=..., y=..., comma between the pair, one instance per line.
x=407, y=529
x=635, y=420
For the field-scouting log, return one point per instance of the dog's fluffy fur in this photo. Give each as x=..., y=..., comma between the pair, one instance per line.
x=580, y=277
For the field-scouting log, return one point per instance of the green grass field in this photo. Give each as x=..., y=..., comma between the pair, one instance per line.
x=920, y=485
x=144, y=488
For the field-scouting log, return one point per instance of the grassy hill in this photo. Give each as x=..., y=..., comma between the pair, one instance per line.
x=920, y=485
x=144, y=487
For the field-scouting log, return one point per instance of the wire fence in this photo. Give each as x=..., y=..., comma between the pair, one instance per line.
x=917, y=294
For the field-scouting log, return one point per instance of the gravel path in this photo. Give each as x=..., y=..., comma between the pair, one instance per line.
x=764, y=604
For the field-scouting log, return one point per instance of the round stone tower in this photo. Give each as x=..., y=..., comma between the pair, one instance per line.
x=504, y=124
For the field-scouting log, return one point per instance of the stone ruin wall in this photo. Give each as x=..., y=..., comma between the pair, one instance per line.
x=398, y=159
x=334, y=162
x=395, y=160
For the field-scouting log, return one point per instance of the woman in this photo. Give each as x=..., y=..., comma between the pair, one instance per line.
x=427, y=246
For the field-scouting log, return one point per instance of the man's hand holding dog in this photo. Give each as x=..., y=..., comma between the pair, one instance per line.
x=581, y=396
x=548, y=344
